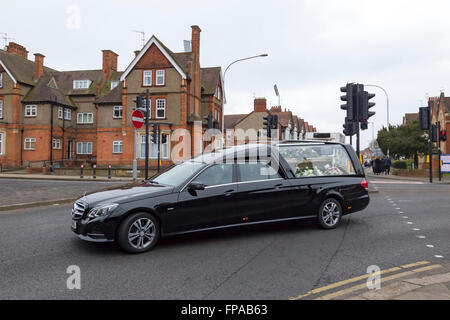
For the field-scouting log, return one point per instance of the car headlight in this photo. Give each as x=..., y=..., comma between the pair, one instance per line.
x=103, y=210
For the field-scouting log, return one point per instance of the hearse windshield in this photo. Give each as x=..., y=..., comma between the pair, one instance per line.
x=179, y=173
x=318, y=160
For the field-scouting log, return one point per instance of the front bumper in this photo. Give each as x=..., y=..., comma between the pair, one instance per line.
x=95, y=231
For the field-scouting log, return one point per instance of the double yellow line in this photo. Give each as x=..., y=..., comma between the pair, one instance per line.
x=365, y=276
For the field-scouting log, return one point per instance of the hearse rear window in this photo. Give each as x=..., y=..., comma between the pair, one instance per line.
x=318, y=160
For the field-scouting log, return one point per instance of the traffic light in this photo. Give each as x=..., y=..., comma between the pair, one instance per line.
x=349, y=100
x=267, y=125
x=139, y=102
x=364, y=104
x=209, y=119
x=274, y=122
x=443, y=135
x=434, y=133
x=155, y=134
x=424, y=117
x=163, y=138
x=350, y=127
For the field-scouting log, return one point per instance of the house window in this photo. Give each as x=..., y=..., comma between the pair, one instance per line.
x=81, y=84
x=117, y=112
x=1, y=80
x=143, y=146
x=160, y=108
x=2, y=142
x=29, y=144
x=114, y=84
x=84, y=147
x=117, y=146
x=218, y=94
x=160, y=77
x=30, y=111
x=57, y=144
x=164, y=145
x=60, y=112
x=1, y=109
x=85, y=118
x=147, y=78
x=67, y=114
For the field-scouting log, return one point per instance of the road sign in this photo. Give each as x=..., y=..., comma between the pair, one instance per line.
x=137, y=118
x=445, y=163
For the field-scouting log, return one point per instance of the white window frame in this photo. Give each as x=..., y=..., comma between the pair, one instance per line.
x=29, y=141
x=119, y=145
x=160, y=74
x=2, y=142
x=120, y=108
x=60, y=112
x=67, y=114
x=147, y=74
x=166, y=146
x=56, y=144
x=1, y=108
x=30, y=111
x=87, y=146
x=159, y=108
x=85, y=118
x=114, y=84
x=1, y=80
x=81, y=84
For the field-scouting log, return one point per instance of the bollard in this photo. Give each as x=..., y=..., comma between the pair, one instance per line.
x=94, y=171
x=109, y=171
x=81, y=172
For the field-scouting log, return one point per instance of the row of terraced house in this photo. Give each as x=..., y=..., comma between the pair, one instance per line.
x=48, y=115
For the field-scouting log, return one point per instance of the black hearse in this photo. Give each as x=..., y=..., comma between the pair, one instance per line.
x=236, y=186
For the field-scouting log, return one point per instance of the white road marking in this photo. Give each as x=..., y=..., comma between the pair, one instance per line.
x=416, y=229
x=395, y=182
x=430, y=246
x=405, y=217
x=439, y=256
x=421, y=237
x=409, y=223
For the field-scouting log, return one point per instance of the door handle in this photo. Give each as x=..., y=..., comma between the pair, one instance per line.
x=278, y=186
x=228, y=193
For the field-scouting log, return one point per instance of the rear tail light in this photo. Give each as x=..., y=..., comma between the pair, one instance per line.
x=365, y=184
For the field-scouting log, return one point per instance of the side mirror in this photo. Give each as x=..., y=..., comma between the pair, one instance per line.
x=196, y=186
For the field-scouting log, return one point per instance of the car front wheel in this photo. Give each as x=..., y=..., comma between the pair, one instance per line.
x=138, y=233
x=330, y=214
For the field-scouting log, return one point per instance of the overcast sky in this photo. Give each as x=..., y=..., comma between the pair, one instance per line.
x=314, y=46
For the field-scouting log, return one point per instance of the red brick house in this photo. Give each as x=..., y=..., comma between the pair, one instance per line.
x=85, y=115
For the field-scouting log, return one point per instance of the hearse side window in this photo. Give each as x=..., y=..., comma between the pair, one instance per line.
x=256, y=171
x=216, y=175
x=318, y=160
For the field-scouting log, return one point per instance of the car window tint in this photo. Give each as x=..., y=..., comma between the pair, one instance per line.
x=318, y=160
x=255, y=171
x=217, y=174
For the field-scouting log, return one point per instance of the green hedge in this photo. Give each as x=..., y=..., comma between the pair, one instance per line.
x=400, y=164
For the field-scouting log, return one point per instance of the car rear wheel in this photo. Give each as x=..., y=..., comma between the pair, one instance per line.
x=138, y=233
x=330, y=214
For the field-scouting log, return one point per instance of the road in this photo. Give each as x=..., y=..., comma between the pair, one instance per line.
x=267, y=262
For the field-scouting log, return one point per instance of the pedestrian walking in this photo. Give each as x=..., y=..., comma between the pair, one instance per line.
x=387, y=165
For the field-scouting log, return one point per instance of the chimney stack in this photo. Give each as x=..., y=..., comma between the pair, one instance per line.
x=260, y=105
x=17, y=49
x=196, y=74
x=276, y=109
x=38, y=65
x=109, y=62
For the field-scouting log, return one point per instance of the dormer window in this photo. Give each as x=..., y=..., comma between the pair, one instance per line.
x=81, y=84
x=114, y=84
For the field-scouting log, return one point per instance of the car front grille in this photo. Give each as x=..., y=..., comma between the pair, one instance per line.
x=78, y=210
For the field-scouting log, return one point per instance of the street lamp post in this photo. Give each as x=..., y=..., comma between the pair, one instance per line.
x=224, y=95
x=387, y=106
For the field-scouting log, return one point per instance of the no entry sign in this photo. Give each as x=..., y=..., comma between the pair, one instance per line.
x=137, y=118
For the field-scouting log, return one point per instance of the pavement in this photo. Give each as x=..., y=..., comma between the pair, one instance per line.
x=403, y=232
x=34, y=176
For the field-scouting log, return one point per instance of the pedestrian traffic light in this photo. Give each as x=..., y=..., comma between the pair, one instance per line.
x=348, y=98
x=443, y=135
x=424, y=117
x=155, y=134
x=163, y=138
x=209, y=120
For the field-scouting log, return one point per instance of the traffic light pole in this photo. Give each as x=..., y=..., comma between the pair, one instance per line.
x=147, y=116
x=430, y=148
x=159, y=146
x=439, y=148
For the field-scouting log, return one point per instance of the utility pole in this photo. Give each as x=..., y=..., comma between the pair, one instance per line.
x=147, y=116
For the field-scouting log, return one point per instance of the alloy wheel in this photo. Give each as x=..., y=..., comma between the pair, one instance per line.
x=141, y=233
x=330, y=214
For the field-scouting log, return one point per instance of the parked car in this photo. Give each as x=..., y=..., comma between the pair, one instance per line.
x=237, y=186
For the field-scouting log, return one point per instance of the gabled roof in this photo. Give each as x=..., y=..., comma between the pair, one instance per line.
x=210, y=79
x=230, y=120
x=165, y=51
x=283, y=117
x=45, y=91
x=18, y=68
